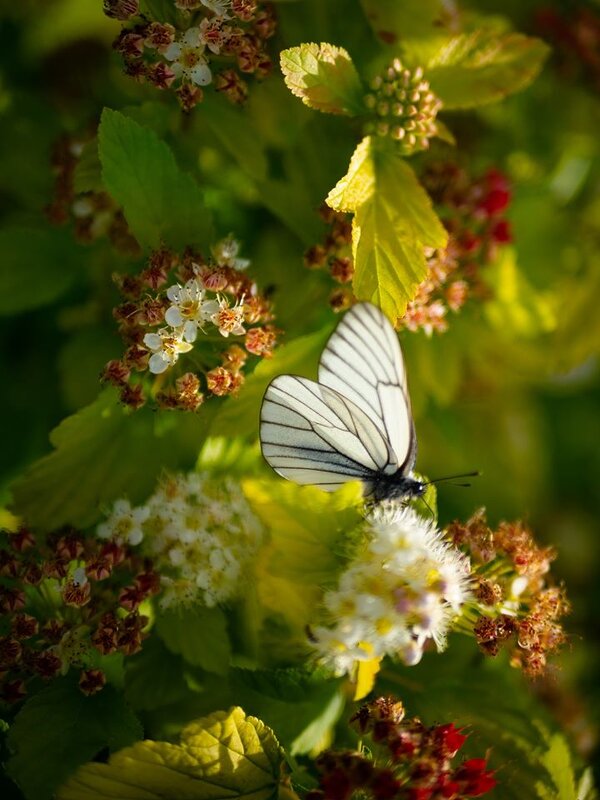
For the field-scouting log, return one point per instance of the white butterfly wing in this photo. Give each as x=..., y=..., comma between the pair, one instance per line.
x=363, y=362
x=314, y=435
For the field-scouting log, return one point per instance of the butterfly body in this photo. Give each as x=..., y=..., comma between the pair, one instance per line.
x=354, y=423
x=395, y=487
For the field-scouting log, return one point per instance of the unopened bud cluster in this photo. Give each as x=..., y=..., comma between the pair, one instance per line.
x=232, y=34
x=334, y=254
x=402, y=759
x=182, y=303
x=517, y=606
x=404, y=108
x=93, y=214
x=201, y=533
x=65, y=601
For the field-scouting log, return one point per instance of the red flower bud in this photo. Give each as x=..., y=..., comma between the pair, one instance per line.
x=501, y=232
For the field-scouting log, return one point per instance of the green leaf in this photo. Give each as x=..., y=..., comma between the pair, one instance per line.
x=557, y=760
x=38, y=266
x=393, y=221
x=161, y=203
x=240, y=415
x=197, y=634
x=484, y=66
x=393, y=21
x=301, y=706
x=98, y=457
x=154, y=677
x=323, y=77
x=59, y=729
x=224, y=755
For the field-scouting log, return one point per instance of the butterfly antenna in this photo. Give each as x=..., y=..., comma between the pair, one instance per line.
x=422, y=498
x=473, y=474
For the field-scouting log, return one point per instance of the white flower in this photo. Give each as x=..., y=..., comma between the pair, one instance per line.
x=212, y=34
x=228, y=319
x=124, y=523
x=166, y=346
x=188, y=309
x=202, y=536
x=402, y=589
x=225, y=254
x=187, y=55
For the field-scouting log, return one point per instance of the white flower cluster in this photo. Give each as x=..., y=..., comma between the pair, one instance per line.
x=191, y=309
x=201, y=534
x=187, y=53
x=403, y=588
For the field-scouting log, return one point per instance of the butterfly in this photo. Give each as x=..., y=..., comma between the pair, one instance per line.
x=355, y=422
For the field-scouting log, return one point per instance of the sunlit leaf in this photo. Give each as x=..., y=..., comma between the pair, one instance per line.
x=393, y=222
x=394, y=21
x=324, y=77
x=224, y=755
x=484, y=66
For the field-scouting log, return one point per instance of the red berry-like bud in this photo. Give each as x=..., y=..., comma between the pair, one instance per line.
x=13, y=691
x=92, y=681
x=501, y=232
x=22, y=540
x=11, y=599
x=24, y=626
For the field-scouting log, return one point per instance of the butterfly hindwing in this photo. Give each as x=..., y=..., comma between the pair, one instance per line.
x=313, y=435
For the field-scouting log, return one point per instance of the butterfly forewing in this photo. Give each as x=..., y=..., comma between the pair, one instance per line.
x=363, y=362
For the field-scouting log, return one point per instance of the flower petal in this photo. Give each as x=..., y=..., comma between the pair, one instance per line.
x=190, y=330
x=191, y=37
x=173, y=51
x=153, y=341
x=201, y=75
x=174, y=293
x=174, y=317
x=157, y=364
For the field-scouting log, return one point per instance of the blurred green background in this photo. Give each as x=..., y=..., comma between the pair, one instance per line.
x=502, y=393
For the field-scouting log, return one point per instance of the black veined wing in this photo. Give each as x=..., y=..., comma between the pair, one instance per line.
x=355, y=423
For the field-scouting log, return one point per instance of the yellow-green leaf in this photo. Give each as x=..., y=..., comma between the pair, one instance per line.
x=484, y=66
x=323, y=77
x=366, y=674
x=393, y=222
x=224, y=755
x=392, y=21
x=308, y=535
x=518, y=309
